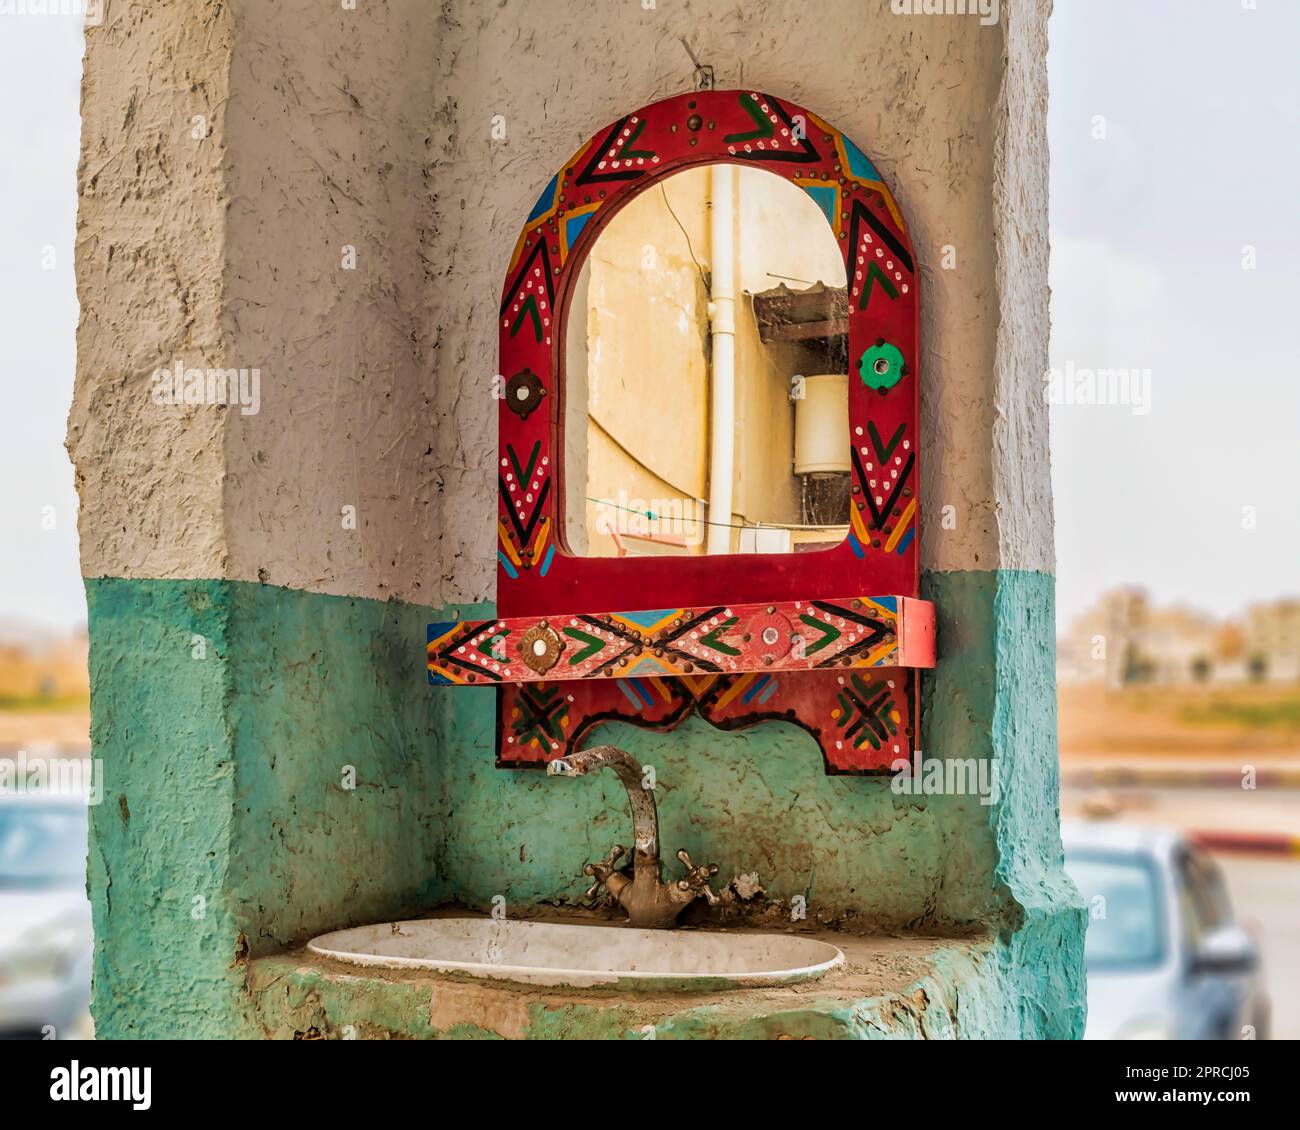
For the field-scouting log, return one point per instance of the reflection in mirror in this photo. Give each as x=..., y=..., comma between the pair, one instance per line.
x=705, y=374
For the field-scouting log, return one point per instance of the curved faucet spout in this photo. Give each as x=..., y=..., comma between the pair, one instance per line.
x=648, y=900
x=645, y=817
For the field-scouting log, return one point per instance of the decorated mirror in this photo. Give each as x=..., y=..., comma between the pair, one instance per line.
x=708, y=451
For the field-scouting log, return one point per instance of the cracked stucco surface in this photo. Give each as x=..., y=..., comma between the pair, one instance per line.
x=151, y=246
x=1020, y=429
x=333, y=128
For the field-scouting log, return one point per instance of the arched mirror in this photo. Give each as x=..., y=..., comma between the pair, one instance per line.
x=707, y=467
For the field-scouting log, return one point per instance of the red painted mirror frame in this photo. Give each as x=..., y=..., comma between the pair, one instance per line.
x=839, y=631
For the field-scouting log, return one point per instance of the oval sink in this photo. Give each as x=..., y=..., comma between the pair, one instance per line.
x=552, y=953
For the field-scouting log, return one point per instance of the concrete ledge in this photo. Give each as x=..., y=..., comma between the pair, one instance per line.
x=890, y=988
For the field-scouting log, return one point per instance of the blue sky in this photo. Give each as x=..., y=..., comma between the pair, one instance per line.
x=1201, y=102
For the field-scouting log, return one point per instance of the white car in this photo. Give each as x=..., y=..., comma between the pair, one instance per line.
x=1166, y=958
x=45, y=925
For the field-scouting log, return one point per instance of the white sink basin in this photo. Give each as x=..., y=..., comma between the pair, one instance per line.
x=551, y=953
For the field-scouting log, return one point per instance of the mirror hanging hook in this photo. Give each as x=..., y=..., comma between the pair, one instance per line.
x=703, y=76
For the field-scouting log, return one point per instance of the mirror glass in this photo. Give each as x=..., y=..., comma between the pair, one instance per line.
x=705, y=374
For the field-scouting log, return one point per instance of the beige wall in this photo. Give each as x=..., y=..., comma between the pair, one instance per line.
x=780, y=235
x=647, y=364
x=795, y=242
x=645, y=356
x=151, y=254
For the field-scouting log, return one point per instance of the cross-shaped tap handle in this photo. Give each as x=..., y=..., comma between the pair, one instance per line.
x=603, y=869
x=697, y=878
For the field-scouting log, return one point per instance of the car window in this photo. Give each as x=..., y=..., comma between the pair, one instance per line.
x=42, y=846
x=1122, y=894
x=1202, y=896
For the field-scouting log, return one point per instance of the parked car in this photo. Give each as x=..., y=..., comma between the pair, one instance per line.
x=45, y=925
x=1166, y=957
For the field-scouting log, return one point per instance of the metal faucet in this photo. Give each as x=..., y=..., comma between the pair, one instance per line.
x=649, y=901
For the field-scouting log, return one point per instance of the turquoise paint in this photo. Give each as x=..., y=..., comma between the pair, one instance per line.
x=753, y=800
x=292, y=1003
x=326, y=694
x=998, y=671
x=165, y=966
x=860, y=166
x=546, y=200
x=1046, y=931
x=233, y=770
x=826, y=197
x=231, y=767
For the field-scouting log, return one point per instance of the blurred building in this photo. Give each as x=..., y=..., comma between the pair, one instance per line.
x=36, y=668
x=1271, y=638
x=1124, y=639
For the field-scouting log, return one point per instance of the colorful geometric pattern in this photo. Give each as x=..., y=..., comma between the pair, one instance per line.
x=863, y=721
x=854, y=634
x=753, y=637
x=537, y=576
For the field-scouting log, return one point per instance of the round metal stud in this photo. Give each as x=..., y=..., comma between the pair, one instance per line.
x=540, y=648
x=524, y=392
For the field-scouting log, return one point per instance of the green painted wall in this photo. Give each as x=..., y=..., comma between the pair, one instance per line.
x=755, y=800
x=164, y=833
x=232, y=768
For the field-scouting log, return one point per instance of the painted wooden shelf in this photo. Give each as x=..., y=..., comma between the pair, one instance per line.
x=854, y=633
